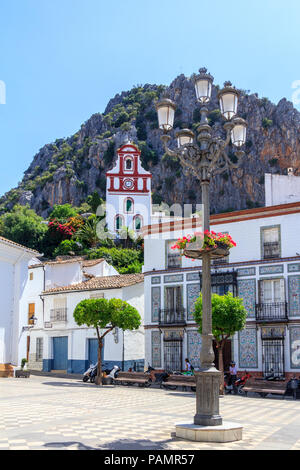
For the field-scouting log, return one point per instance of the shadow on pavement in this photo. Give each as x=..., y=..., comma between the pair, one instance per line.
x=62, y=445
x=132, y=444
x=70, y=384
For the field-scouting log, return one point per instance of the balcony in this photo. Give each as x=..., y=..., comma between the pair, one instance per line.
x=58, y=314
x=174, y=261
x=172, y=316
x=271, y=250
x=271, y=312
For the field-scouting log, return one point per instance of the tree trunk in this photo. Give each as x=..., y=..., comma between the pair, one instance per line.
x=221, y=366
x=99, y=366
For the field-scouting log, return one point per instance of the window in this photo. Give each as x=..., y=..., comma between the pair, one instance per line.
x=59, y=311
x=173, y=256
x=272, y=290
x=31, y=310
x=128, y=164
x=39, y=349
x=138, y=222
x=272, y=305
x=128, y=205
x=30, y=276
x=119, y=222
x=271, y=243
x=174, y=298
x=173, y=313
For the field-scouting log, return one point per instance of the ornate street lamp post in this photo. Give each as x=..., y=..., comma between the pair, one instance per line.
x=203, y=159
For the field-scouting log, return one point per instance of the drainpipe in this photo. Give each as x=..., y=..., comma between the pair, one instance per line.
x=123, y=353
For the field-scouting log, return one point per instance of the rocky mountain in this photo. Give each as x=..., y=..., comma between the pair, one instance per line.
x=70, y=169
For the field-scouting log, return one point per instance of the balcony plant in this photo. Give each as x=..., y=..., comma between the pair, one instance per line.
x=193, y=246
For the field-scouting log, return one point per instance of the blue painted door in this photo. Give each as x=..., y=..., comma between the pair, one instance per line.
x=93, y=351
x=60, y=353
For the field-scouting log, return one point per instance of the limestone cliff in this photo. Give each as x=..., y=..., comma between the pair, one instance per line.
x=68, y=170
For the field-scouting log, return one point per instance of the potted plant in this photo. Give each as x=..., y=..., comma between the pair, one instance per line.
x=24, y=363
x=194, y=246
x=23, y=372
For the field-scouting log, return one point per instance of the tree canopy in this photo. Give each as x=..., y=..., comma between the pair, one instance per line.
x=228, y=315
x=104, y=313
x=22, y=225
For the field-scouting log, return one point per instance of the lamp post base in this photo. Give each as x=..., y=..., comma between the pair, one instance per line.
x=226, y=432
x=207, y=396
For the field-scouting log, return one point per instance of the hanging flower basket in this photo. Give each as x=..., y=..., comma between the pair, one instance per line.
x=217, y=245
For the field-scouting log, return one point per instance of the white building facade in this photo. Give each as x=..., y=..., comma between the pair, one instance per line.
x=14, y=260
x=264, y=269
x=57, y=343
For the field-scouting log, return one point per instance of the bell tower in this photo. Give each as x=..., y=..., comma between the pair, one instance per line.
x=128, y=192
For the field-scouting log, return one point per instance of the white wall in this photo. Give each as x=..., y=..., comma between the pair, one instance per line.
x=13, y=276
x=281, y=189
x=64, y=274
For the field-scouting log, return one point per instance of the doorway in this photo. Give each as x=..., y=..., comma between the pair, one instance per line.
x=60, y=353
x=173, y=355
x=226, y=355
x=273, y=357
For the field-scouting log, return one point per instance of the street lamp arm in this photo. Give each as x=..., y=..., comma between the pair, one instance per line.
x=165, y=139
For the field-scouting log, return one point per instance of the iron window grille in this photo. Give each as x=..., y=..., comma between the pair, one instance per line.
x=172, y=316
x=39, y=349
x=271, y=250
x=174, y=260
x=58, y=314
x=271, y=311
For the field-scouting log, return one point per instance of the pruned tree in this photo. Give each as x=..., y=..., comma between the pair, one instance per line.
x=104, y=315
x=228, y=317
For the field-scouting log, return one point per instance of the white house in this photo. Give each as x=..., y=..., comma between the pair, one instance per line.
x=14, y=344
x=56, y=341
x=264, y=269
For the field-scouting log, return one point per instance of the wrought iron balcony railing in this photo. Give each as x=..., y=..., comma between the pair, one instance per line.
x=273, y=311
x=271, y=250
x=174, y=261
x=172, y=316
x=58, y=314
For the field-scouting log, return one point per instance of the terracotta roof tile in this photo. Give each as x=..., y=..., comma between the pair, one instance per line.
x=92, y=262
x=103, y=282
x=6, y=240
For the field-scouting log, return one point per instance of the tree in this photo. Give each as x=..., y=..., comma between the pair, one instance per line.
x=88, y=232
x=22, y=225
x=63, y=212
x=228, y=317
x=94, y=201
x=104, y=314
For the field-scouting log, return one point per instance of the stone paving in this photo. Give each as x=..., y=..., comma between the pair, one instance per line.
x=53, y=413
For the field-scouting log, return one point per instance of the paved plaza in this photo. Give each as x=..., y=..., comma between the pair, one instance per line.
x=53, y=413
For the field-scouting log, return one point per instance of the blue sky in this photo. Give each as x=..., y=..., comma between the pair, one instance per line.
x=62, y=60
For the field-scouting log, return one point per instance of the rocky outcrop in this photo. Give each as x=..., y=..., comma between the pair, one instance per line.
x=70, y=169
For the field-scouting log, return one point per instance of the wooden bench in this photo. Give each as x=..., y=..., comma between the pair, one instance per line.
x=183, y=381
x=264, y=387
x=131, y=378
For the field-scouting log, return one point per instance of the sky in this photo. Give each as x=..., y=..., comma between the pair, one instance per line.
x=62, y=60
